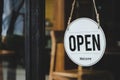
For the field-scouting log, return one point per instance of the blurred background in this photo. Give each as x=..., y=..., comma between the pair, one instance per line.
x=56, y=14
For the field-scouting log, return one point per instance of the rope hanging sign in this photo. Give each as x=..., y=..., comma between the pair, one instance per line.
x=84, y=40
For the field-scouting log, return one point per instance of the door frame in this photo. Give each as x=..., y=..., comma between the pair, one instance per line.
x=34, y=39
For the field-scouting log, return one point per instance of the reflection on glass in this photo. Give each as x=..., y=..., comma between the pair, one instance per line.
x=12, y=40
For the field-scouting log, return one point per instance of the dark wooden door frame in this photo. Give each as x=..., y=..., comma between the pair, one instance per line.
x=34, y=39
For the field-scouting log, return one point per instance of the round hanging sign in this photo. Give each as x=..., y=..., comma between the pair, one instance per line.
x=84, y=42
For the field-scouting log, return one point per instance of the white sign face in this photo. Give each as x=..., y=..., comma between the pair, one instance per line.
x=84, y=42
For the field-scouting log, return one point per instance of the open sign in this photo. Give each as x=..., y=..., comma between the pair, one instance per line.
x=84, y=42
x=75, y=42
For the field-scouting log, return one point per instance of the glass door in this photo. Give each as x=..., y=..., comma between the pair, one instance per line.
x=22, y=40
x=12, y=46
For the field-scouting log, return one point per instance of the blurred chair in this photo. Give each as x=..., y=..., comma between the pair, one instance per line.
x=57, y=63
x=4, y=55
